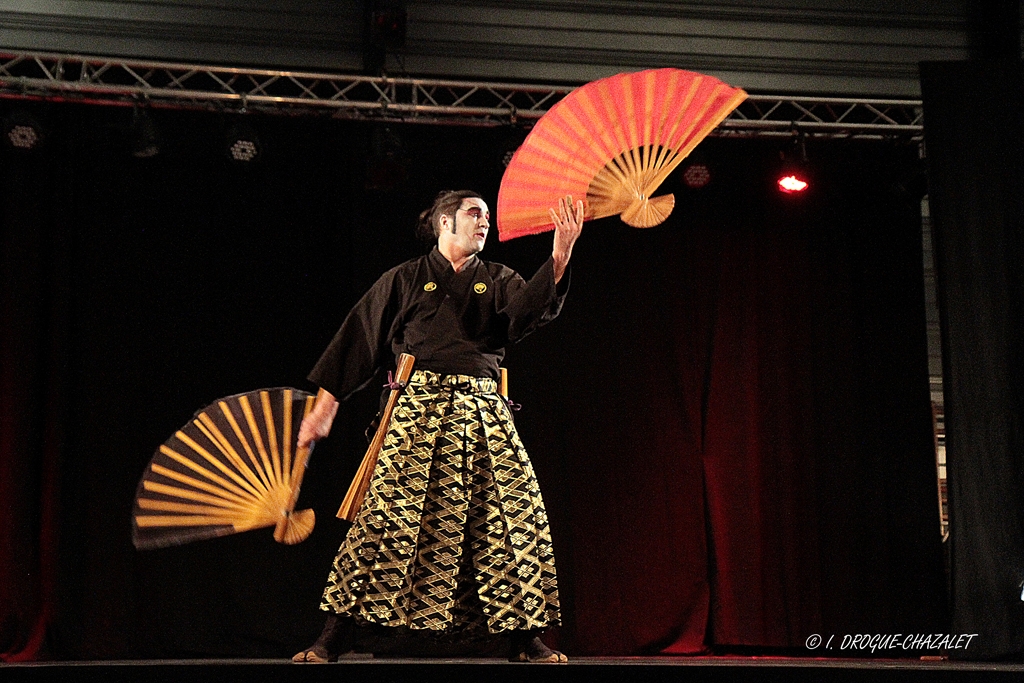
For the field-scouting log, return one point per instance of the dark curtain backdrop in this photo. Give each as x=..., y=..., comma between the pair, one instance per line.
x=730, y=421
x=975, y=114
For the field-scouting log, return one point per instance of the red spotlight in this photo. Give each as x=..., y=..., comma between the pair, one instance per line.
x=792, y=182
x=794, y=176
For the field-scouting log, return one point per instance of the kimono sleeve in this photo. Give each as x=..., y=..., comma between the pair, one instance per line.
x=530, y=304
x=361, y=343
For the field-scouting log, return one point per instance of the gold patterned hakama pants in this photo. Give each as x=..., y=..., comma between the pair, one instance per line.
x=453, y=535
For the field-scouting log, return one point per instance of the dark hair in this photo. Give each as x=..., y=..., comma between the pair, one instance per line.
x=445, y=204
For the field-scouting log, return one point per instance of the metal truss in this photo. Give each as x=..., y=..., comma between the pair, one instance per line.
x=100, y=80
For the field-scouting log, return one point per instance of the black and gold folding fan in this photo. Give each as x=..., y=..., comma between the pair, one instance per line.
x=232, y=468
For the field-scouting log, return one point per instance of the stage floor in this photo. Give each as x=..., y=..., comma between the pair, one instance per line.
x=589, y=669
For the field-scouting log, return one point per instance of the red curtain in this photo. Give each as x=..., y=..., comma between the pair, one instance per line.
x=750, y=458
x=34, y=309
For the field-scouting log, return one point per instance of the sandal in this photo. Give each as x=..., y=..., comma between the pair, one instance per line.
x=534, y=650
x=314, y=655
x=335, y=639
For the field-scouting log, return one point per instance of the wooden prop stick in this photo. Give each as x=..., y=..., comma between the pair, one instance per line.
x=357, y=490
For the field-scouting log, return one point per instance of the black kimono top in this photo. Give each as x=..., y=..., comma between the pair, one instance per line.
x=453, y=323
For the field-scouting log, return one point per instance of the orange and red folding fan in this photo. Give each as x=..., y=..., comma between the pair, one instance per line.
x=612, y=141
x=233, y=467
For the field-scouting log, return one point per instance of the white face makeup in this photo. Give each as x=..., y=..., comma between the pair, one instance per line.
x=472, y=223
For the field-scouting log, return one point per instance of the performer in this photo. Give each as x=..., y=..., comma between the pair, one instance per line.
x=453, y=536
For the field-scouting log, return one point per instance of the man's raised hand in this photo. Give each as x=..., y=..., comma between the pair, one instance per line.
x=568, y=222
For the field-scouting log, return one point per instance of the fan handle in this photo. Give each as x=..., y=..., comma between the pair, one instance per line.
x=294, y=527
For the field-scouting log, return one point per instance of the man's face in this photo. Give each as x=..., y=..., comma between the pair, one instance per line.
x=472, y=221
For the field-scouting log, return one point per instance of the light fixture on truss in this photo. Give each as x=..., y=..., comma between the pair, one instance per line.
x=242, y=145
x=794, y=175
x=22, y=131
x=145, y=138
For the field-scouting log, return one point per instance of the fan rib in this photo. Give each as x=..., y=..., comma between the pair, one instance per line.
x=254, y=430
x=559, y=152
x=708, y=126
x=648, y=138
x=268, y=421
x=300, y=525
x=610, y=106
x=193, y=509
x=607, y=139
x=193, y=520
x=547, y=159
x=554, y=151
x=230, y=416
x=538, y=180
x=634, y=144
x=302, y=454
x=198, y=468
x=198, y=483
x=668, y=156
x=286, y=439
x=682, y=127
x=547, y=167
x=661, y=135
x=216, y=462
x=178, y=492
x=591, y=152
x=207, y=426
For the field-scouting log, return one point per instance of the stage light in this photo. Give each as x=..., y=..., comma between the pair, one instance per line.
x=792, y=183
x=244, y=150
x=509, y=141
x=385, y=142
x=383, y=33
x=387, y=24
x=696, y=172
x=22, y=136
x=242, y=145
x=145, y=138
x=506, y=157
x=697, y=175
x=387, y=166
x=794, y=175
x=22, y=131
